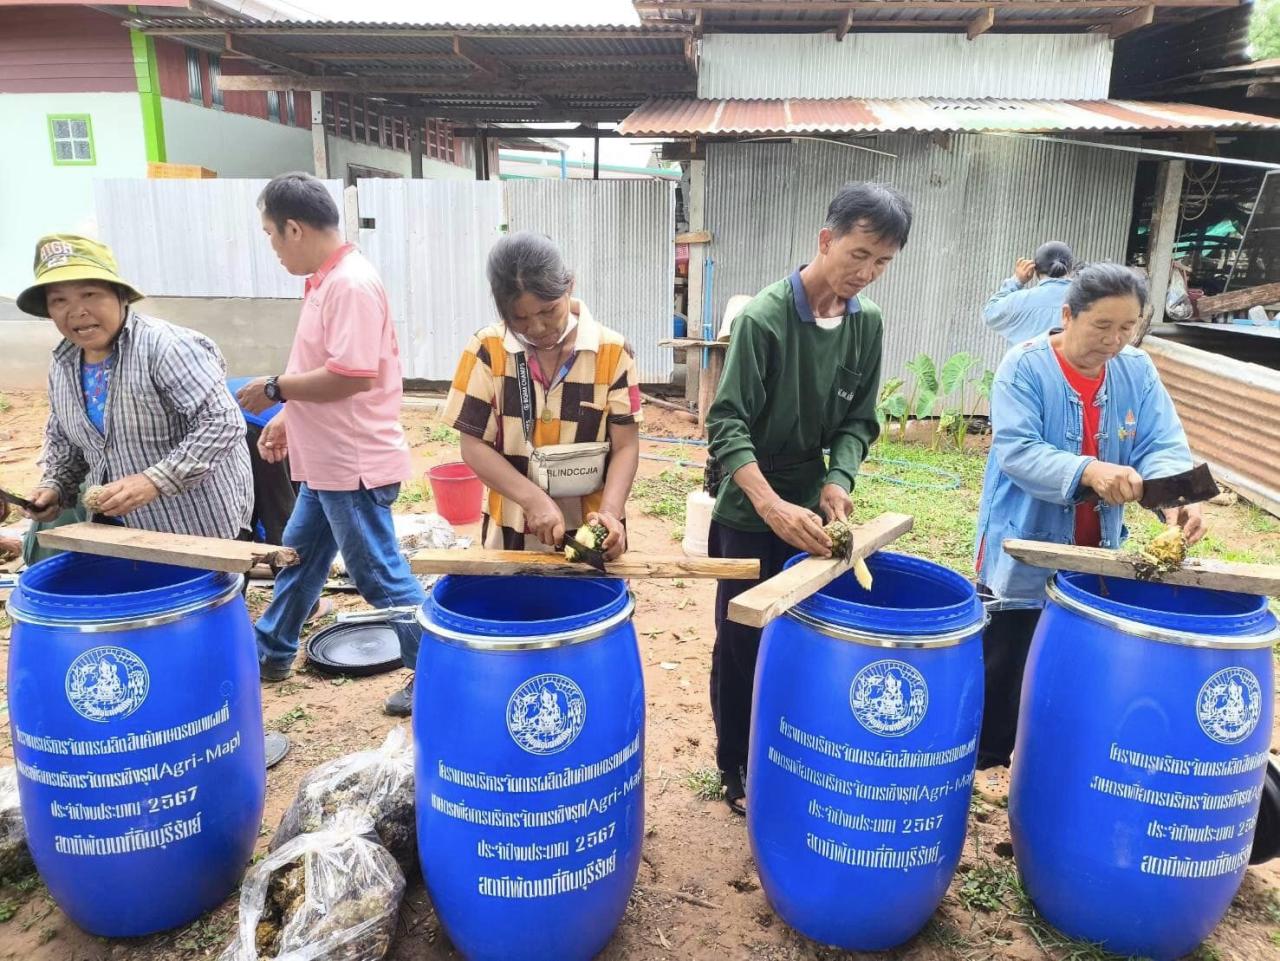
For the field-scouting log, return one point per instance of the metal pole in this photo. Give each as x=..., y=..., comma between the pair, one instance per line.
x=564, y=167
x=595, y=167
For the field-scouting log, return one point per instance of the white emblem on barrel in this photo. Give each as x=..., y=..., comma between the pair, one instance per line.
x=107, y=683
x=889, y=698
x=546, y=713
x=1229, y=705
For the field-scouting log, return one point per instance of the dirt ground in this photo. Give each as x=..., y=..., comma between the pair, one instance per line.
x=697, y=896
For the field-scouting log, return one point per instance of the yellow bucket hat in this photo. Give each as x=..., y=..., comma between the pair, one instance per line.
x=64, y=257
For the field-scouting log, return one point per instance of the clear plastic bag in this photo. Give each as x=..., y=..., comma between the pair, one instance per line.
x=377, y=783
x=15, y=858
x=333, y=895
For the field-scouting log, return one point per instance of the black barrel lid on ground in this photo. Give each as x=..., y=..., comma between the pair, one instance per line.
x=356, y=650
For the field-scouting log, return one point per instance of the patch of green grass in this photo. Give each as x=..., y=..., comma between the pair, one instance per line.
x=290, y=719
x=1206, y=952
x=704, y=782
x=989, y=887
x=4, y=403
x=7, y=910
x=411, y=493
x=941, y=489
x=440, y=434
x=664, y=495
x=205, y=934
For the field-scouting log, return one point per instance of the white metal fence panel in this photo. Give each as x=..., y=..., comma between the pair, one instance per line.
x=194, y=238
x=430, y=240
x=1028, y=66
x=617, y=236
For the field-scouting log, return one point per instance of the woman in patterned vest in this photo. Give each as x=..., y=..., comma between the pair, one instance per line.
x=548, y=406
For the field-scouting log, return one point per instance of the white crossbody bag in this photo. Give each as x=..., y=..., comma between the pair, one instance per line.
x=562, y=470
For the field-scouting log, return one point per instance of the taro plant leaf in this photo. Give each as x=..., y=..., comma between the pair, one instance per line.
x=983, y=385
x=926, y=372
x=924, y=391
x=954, y=372
x=948, y=424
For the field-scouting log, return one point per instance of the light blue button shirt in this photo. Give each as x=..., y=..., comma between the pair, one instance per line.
x=1032, y=482
x=1019, y=313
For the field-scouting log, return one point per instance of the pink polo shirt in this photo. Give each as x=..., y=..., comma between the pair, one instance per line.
x=346, y=328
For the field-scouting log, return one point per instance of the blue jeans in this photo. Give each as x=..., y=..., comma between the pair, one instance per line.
x=359, y=524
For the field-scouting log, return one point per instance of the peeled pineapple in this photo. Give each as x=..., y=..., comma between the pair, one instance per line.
x=841, y=535
x=588, y=535
x=93, y=497
x=1164, y=554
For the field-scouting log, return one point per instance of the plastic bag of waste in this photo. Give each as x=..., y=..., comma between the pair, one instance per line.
x=15, y=859
x=376, y=783
x=332, y=895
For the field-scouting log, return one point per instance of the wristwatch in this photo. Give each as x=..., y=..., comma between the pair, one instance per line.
x=272, y=390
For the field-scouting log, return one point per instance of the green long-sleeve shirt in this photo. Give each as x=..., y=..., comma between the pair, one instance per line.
x=791, y=388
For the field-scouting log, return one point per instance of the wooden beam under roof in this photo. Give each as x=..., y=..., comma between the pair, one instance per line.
x=980, y=24
x=845, y=26
x=679, y=83
x=400, y=56
x=1141, y=17
x=267, y=53
x=468, y=50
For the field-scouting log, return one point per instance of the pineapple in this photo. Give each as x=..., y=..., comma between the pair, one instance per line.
x=93, y=498
x=588, y=535
x=841, y=535
x=1164, y=554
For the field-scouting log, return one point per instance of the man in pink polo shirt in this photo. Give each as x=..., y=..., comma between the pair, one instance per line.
x=340, y=429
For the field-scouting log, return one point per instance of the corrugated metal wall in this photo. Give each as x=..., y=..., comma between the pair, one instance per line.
x=1231, y=413
x=980, y=203
x=429, y=241
x=1015, y=66
x=194, y=238
x=617, y=235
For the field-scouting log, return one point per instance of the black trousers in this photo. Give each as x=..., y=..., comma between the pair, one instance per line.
x=733, y=659
x=1005, y=644
x=274, y=492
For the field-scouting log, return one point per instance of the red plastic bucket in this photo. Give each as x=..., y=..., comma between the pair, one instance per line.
x=457, y=492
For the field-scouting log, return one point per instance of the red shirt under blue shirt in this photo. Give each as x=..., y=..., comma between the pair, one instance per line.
x=1088, y=524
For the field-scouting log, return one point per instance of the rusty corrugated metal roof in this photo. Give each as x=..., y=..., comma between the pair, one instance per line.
x=691, y=117
x=1231, y=413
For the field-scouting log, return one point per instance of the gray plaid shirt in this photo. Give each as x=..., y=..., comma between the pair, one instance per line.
x=169, y=416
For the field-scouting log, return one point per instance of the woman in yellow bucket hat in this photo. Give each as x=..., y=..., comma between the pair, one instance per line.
x=138, y=406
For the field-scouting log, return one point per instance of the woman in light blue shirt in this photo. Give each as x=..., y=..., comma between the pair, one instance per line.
x=1018, y=312
x=1037, y=478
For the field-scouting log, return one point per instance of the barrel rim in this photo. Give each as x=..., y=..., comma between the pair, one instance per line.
x=932, y=625
x=130, y=623
x=900, y=641
x=1151, y=632
x=484, y=642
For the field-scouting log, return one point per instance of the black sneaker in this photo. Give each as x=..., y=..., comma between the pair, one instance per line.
x=400, y=704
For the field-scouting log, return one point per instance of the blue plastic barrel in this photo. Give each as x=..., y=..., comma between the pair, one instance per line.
x=1141, y=751
x=528, y=720
x=864, y=731
x=137, y=727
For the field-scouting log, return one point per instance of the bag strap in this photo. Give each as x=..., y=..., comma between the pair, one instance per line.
x=525, y=384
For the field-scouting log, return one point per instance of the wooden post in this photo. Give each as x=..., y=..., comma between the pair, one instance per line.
x=695, y=205
x=595, y=164
x=351, y=214
x=319, y=146
x=708, y=384
x=481, y=147
x=415, y=150
x=1164, y=232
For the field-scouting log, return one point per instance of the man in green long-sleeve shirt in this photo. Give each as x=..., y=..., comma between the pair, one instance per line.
x=801, y=374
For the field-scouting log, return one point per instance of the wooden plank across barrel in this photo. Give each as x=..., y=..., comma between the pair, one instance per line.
x=180, y=550
x=483, y=563
x=1212, y=574
x=759, y=605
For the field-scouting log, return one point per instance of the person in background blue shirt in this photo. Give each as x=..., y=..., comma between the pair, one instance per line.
x=1037, y=479
x=1018, y=312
